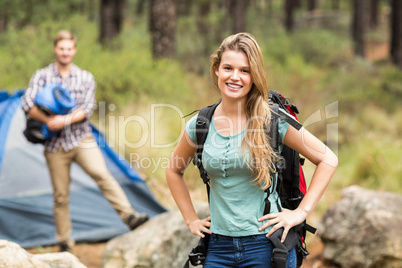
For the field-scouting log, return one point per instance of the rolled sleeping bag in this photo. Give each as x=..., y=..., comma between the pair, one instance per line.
x=55, y=99
x=52, y=99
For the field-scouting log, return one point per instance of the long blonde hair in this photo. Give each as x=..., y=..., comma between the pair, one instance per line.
x=262, y=156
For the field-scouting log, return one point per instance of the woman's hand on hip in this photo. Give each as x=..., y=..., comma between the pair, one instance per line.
x=199, y=227
x=286, y=219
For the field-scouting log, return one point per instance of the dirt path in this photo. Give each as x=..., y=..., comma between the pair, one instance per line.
x=377, y=51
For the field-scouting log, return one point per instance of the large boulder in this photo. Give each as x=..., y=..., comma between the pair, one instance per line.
x=163, y=241
x=12, y=255
x=364, y=229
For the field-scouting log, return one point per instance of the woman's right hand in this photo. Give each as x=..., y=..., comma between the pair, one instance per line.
x=199, y=227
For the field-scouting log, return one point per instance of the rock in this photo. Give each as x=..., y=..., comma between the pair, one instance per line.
x=364, y=229
x=59, y=260
x=163, y=241
x=12, y=255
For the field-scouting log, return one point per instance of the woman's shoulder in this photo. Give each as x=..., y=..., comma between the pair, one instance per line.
x=283, y=126
x=192, y=121
x=191, y=127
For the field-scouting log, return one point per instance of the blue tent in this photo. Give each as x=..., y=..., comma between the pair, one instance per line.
x=26, y=215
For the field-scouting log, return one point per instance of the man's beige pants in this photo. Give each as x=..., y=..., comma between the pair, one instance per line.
x=89, y=157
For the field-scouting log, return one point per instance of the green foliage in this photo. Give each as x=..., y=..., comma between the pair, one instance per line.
x=26, y=50
x=22, y=13
x=319, y=47
x=376, y=164
x=313, y=66
x=29, y=49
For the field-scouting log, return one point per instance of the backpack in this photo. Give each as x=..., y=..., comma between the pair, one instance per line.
x=291, y=186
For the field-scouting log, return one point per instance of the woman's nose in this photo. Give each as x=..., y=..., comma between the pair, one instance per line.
x=234, y=75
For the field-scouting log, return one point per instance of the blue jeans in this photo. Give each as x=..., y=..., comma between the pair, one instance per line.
x=253, y=251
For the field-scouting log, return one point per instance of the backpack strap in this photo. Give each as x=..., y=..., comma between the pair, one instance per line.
x=202, y=127
x=281, y=250
x=289, y=119
x=273, y=133
x=198, y=254
x=276, y=98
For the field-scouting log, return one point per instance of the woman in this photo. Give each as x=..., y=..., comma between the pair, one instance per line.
x=236, y=137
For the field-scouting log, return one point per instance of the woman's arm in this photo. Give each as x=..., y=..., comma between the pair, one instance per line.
x=178, y=163
x=326, y=162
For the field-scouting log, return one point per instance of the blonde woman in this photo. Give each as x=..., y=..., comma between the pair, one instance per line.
x=239, y=161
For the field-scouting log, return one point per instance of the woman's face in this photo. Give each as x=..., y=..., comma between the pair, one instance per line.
x=234, y=77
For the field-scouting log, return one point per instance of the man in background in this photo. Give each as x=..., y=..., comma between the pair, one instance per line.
x=75, y=142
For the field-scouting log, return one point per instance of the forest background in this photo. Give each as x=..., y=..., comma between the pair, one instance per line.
x=350, y=100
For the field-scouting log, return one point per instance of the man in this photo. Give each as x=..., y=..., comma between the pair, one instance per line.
x=75, y=141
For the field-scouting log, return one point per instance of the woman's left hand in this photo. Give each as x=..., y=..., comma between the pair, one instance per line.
x=286, y=219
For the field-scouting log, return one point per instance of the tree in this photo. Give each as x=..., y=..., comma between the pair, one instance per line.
x=224, y=20
x=290, y=6
x=311, y=5
x=396, y=32
x=3, y=20
x=203, y=26
x=374, y=7
x=111, y=19
x=235, y=17
x=140, y=7
x=358, y=27
x=238, y=12
x=163, y=27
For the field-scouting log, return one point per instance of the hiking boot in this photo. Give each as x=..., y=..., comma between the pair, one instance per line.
x=63, y=246
x=134, y=221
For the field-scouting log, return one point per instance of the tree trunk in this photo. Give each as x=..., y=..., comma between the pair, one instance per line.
x=239, y=13
x=290, y=6
x=396, y=32
x=140, y=7
x=163, y=27
x=204, y=7
x=111, y=19
x=224, y=21
x=3, y=21
x=373, y=22
x=358, y=27
x=311, y=5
